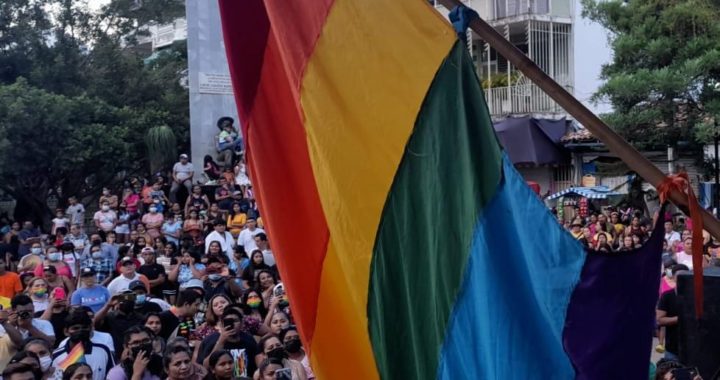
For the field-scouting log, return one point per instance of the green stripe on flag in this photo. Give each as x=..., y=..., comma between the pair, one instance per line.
x=450, y=169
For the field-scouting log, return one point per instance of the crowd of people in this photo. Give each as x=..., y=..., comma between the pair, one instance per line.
x=152, y=285
x=615, y=231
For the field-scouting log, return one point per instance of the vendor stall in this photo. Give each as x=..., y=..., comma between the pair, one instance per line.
x=578, y=201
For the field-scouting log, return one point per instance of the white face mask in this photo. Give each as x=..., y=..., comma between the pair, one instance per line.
x=45, y=362
x=105, y=207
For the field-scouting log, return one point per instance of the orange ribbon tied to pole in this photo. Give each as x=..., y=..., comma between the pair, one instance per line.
x=681, y=183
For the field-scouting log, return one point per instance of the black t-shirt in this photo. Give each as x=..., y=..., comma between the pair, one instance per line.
x=221, y=288
x=147, y=307
x=58, y=324
x=242, y=351
x=117, y=323
x=669, y=304
x=152, y=272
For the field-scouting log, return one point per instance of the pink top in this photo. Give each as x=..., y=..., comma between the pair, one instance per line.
x=61, y=271
x=665, y=286
x=131, y=203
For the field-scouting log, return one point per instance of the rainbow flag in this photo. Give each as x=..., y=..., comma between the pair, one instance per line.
x=76, y=355
x=409, y=245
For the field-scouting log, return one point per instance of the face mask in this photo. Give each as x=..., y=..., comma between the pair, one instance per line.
x=55, y=256
x=153, y=209
x=140, y=299
x=668, y=273
x=254, y=302
x=36, y=251
x=148, y=348
x=214, y=277
x=45, y=363
x=105, y=208
x=127, y=307
x=106, y=192
x=40, y=293
x=80, y=336
x=277, y=353
x=59, y=216
x=293, y=346
x=97, y=255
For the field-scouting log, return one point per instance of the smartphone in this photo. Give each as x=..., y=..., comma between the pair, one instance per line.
x=684, y=373
x=229, y=323
x=59, y=293
x=128, y=297
x=283, y=373
x=279, y=289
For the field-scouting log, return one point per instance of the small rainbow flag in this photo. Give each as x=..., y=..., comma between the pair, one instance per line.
x=76, y=355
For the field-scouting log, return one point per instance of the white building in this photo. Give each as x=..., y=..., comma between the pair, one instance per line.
x=560, y=41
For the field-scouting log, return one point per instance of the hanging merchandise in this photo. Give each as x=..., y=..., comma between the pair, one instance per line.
x=583, y=203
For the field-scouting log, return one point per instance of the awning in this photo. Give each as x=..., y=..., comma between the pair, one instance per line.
x=532, y=141
x=597, y=192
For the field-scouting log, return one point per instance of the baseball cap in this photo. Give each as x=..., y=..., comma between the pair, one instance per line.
x=183, y=155
x=86, y=272
x=147, y=249
x=192, y=284
x=127, y=260
x=137, y=284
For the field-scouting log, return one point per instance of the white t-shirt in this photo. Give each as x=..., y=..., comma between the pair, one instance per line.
x=100, y=360
x=685, y=259
x=121, y=283
x=76, y=213
x=105, y=219
x=226, y=242
x=44, y=326
x=247, y=240
x=183, y=171
x=268, y=257
x=671, y=237
x=98, y=337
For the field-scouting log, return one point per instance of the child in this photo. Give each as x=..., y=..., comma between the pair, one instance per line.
x=60, y=221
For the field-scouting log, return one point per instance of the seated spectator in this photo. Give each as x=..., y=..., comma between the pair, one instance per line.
x=179, y=366
x=271, y=348
x=138, y=361
x=154, y=272
x=241, y=346
x=293, y=345
x=10, y=284
x=98, y=356
x=38, y=292
x=78, y=371
x=178, y=321
x=211, y=168
x=90, y=294
x=128, y=275
x=220, y=280
x=19, y=371
x=42, y=349
x=188, y=268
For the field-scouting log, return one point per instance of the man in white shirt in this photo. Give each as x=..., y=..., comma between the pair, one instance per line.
x=95, y=336
x=221, y=236
x=18, y=324
x=122, y=283
x=98, y=356
x=247, y=236
x=671, y=236
x=182, y=174
x=262, y=243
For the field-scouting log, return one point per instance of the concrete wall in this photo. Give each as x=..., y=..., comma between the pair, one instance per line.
x=211, y=94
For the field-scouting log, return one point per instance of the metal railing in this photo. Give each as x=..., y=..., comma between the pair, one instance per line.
x=519, y=99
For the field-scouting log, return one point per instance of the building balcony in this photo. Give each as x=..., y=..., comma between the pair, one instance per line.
x=521, y=99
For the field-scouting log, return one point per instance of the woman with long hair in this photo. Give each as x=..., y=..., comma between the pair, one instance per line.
x=213, y=315
x=250, y=273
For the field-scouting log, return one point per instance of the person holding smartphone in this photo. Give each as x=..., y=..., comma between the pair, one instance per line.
x=139, y=361
x=241, y=346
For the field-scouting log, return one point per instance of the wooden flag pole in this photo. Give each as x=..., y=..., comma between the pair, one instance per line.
x=616, y=144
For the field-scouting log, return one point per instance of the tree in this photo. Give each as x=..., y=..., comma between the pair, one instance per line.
x=77, y=99
x=663, y=79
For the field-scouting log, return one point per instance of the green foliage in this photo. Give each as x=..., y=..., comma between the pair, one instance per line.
x=161, y=147
x=77, y=98
x=666, y=62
